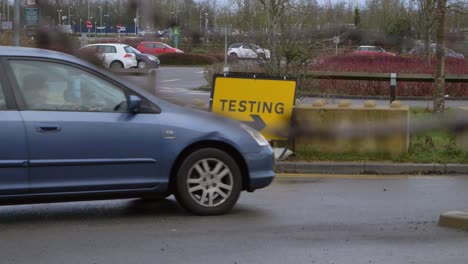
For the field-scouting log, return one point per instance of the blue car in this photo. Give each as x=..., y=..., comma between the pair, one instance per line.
x=72, y=131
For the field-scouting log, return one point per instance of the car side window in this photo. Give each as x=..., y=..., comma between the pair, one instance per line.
x=159, y=46
x=109, y=49
x=49, y=86
x=148, y=45
x=3, y=105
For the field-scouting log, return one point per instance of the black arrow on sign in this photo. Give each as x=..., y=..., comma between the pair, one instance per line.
x=257, y=122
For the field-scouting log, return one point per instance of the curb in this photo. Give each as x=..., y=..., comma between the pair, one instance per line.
x=454, y=219
x=383, y=168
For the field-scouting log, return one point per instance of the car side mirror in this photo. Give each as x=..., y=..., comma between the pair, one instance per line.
x=134, y=103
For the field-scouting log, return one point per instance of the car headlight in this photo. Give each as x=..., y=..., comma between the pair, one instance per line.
x=259, y=138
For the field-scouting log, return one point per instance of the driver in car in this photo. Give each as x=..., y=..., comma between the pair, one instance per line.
x=36, y=91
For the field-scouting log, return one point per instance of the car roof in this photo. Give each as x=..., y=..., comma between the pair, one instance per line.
x=152, y=42
x=109, y=44
x=49, y=54
x=34, y=52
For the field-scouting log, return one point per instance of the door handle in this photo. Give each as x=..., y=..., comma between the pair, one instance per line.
x=45, y=128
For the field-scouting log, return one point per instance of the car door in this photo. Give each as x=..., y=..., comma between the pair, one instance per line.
x=110, y=54
x=149, y=48
x=81, y=135
x=246, y=51
x=13, y=154
x=160, y=48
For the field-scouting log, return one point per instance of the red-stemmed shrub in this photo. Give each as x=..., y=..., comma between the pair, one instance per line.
x=383, y=64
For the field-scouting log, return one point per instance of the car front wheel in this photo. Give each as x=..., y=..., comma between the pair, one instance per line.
x=208, y=182
x=142, y=64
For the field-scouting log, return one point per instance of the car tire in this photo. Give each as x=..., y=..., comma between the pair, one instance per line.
x=233, y=54
x=262, y=56
x=116, y=65
x=142, y=64
x=208, y=182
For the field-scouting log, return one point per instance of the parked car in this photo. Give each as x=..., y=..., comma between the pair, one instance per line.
x=419, y=51
x=148, y=32
x=115, y=56
x=248, y=50
x=156, y=48
x=74, y=131
x=145, y=61
x=373, y=51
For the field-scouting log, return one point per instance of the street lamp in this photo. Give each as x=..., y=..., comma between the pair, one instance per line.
x=59, y=16
x=100, y=13
x=107, y=19
x=201, y=10
x=69, y=16
x=206, y=27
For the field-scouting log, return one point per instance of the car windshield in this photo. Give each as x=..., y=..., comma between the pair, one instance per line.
x=128, y=49
x=132, y=49
x=235, y=46
x=253, y=46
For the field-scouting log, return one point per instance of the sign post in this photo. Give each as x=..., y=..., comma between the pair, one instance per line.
x=176, y=36
x=264, y=103
x=89, y=25
x=336, y=40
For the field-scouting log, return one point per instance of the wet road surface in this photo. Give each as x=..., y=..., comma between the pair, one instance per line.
x=296, y=220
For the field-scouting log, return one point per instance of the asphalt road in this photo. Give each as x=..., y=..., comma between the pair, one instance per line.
x=296, y=220
x=179, y=84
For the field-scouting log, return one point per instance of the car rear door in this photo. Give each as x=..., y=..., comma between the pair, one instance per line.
x=13, y=147
x=160, y=48
x=149, y=48
x=110, y=54
x=81, y=136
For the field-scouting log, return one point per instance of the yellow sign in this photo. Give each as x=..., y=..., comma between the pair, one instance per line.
x=265, y=104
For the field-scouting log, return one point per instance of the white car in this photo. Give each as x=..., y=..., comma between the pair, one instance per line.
x=114, y=56
x=248, y=50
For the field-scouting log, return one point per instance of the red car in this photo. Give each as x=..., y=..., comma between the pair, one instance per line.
x=156, y=48
x=372, y=51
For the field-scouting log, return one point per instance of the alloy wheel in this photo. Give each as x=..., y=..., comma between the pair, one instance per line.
x=210, y=182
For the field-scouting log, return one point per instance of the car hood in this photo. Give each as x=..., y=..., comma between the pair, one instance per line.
x=209, y=126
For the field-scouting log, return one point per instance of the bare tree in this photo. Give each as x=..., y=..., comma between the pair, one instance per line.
x=439, y=92
x=426, y=20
